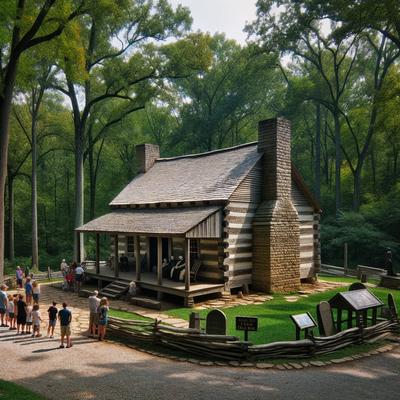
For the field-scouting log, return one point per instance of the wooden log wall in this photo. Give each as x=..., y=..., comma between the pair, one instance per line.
x=309, y=233
x=211, y=255
x=238, y=229
x=122, y=247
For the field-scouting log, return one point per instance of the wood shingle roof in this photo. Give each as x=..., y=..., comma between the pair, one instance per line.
x=200, y=177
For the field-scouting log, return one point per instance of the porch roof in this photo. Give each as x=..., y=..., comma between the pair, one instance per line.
x=186, y=221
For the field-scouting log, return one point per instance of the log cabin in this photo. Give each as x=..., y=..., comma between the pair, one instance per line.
x=241, y=216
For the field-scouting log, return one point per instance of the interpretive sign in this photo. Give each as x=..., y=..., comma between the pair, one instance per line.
x=303, y=322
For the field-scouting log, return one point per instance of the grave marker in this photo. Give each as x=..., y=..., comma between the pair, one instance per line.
x=216, y=323
x=326, y=323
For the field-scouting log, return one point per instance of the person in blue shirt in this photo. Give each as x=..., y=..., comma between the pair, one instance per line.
x=65, y=317
x=3, y=303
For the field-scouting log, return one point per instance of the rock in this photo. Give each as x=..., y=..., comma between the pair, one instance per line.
x=264, y=365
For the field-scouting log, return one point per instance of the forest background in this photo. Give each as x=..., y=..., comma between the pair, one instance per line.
x=96, y=78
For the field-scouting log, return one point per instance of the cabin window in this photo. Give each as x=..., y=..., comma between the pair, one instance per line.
x=130, y=245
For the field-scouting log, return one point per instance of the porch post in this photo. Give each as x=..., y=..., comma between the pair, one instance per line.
x=97, y=254
x=159, y=260
x=116, y=258
x=78, y=247
x=187, y=265
x=148, y=254
x=137, y=257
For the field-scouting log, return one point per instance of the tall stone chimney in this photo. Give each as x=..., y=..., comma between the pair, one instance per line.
x=146, y=156
x=276, y=227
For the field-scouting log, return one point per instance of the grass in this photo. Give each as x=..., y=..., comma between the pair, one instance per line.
x=274, y=323
x=127, y=315
x=11, y=391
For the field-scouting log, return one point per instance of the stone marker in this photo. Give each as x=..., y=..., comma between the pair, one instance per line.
x=216, y=323
x=325, y=319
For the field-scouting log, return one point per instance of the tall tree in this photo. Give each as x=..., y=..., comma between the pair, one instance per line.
x=24, y=26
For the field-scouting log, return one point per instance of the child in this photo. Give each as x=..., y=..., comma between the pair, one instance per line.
x=36, y=319
x=21, y=317
x=10, y=312
x=15, y=300
x=29, y=311
x=52, y=311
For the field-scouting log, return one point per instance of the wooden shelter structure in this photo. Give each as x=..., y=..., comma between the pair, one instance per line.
x=243, y=214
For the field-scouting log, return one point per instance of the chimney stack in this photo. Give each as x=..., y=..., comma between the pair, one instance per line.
x=146, y=156
x=276, y=227
x=274, y=142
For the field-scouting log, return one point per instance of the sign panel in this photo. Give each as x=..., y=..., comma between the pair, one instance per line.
x=246, y=324
x=303, y=321
x=361, y=299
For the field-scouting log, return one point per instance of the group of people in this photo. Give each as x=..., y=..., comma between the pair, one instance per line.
x=18, y=313
x=21, y=312
x=73, y=275
x=174, y=270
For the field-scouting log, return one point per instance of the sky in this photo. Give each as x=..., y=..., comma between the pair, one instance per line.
x=228, y=16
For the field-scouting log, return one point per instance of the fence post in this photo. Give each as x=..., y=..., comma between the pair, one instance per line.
x=48, y=273
x=345, y=259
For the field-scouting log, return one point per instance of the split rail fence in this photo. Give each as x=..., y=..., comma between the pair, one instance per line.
x=231, y=348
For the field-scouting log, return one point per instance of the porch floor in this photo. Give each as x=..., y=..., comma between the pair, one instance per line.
x=148, y=280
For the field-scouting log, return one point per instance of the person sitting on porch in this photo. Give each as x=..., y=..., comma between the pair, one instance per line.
x=166, y=272
x=165, y=268
x=176, y=271
x=123, y=263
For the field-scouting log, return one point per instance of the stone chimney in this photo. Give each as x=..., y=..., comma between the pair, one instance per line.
x=276, y=227
x=146, y=156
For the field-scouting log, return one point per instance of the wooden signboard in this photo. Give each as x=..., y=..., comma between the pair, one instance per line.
x=246, y=324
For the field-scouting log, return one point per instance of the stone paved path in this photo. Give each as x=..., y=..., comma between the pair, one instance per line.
x=105, y=371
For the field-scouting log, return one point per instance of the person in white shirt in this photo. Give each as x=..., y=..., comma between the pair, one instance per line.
x=94, y=303
x=79, y=271
x=36, y=320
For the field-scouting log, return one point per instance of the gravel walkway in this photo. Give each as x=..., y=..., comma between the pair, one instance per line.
x=94, y=370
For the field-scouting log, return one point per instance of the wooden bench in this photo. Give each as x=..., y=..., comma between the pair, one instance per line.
x=147, y=303
x=363, y=272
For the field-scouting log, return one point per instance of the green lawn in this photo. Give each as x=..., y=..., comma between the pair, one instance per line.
x=126, y=315
x=11, y=391
x=274, y=323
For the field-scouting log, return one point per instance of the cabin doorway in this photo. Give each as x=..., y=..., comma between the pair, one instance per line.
x=154, y=253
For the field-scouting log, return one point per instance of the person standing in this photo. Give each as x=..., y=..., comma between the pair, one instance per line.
x=21, y=316
x=36, y=291
x=3, y=304
x=65, y=317
x=28, y=290
x=79, y=273
x=36, y=319
x=19, y=274
x=94, y=303
x=103, y=317
x=52, y=311
x=10, y=312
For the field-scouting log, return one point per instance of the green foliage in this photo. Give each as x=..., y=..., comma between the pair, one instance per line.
x=12, y=391
x=366, y=243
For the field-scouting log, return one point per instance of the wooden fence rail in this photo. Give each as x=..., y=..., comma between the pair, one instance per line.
x=231, y=348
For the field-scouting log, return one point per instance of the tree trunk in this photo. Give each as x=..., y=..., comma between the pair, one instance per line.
x=317, y=183
x=338, y=163
x=357, y=190
x=5, y=110
x=92, y=188
x=35, y=247
x=79, y=193
x=11, y=248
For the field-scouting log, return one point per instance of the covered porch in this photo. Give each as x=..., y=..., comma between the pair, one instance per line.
x=146, y=237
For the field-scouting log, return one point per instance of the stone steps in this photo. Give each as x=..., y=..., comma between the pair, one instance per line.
x=115, y=289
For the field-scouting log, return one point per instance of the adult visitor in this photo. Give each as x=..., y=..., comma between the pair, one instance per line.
x=35, y=291
x=28, y=290
x=65, y=317
x=79, y=274
x=103, y=317
x=94, y=303
x=19, y=275
x=3, y=304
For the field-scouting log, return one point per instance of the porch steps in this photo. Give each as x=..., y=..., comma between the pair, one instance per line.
x=115, y=289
